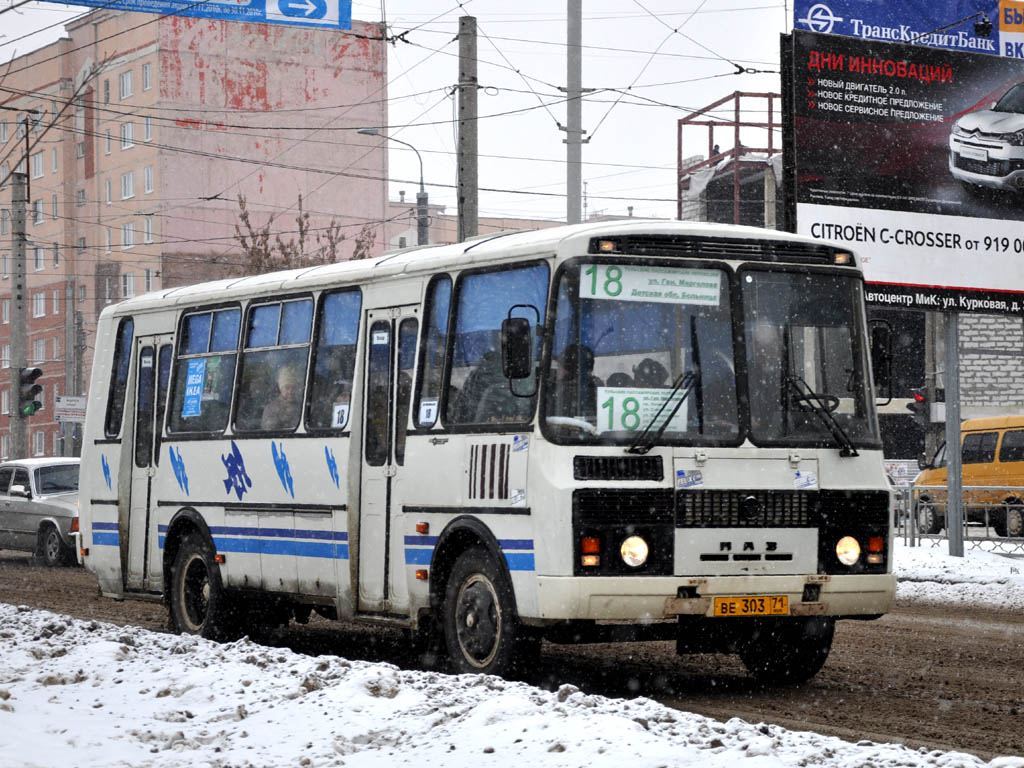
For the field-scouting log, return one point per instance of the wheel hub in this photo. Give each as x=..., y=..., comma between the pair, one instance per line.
x=478, y=620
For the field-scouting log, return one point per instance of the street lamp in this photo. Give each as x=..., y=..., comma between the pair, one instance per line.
x=421, y=196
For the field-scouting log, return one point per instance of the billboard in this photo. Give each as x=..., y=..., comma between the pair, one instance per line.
x=913, y=156
x=327, y=14
x=939, y=23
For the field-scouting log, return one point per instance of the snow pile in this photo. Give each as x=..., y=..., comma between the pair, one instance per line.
x=93, y=694
x=927, y=573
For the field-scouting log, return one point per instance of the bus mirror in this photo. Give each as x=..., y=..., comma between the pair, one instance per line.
x=881, y=359
x=516, y=351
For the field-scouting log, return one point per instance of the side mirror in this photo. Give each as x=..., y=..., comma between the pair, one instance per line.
x=20, y=490
x=881, y=359
x=922, y=462
x=516, y=348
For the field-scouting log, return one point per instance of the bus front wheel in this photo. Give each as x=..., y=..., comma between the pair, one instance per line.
x=788, y=651
x=480, y=626
x=199, y=605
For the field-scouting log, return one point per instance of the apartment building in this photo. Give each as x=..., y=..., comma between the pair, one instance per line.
x=141, y=132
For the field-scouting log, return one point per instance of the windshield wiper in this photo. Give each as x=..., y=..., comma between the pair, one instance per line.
x=641, y=445
x=819, y=405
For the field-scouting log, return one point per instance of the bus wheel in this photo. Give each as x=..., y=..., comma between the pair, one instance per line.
x=199, y=605
x=788, y=651
x=928, y=520
x=1011, y=521
x=480, y=626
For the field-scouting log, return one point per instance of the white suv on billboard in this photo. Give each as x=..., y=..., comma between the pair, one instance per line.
x=987, y=146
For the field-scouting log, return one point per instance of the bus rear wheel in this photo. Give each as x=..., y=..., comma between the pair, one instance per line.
x=928, y=519
x=199, y=605
x=788, y=651
x=481, y=631
x=1011, y=521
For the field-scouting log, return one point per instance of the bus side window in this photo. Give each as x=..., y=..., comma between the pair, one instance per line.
x=273, y=368
x=201, y=391
x=119, y=377
x=334, y=360
x=433, y=343
x=484, y=300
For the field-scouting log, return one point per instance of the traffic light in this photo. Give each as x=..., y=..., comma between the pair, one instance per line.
x=28, y=390
x=920, y=406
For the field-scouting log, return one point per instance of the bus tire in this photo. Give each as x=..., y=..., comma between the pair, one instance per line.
x=481, y=630
x=788, y=651
x=1011, y=521
x=199, y=604
x=928, y=519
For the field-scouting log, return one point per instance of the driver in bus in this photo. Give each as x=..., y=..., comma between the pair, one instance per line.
x=283, y=411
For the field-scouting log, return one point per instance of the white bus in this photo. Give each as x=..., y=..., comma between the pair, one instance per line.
x=640, y=430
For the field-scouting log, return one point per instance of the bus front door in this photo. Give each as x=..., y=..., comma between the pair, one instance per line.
x=390, y=354
x=153, y=368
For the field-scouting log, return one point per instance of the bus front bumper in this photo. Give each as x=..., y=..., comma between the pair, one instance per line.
x=655, y=598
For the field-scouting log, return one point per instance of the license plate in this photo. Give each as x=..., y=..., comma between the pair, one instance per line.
x=974, y=154
x=761, y=605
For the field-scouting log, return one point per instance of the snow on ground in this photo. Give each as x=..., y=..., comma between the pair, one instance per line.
x=92, y=694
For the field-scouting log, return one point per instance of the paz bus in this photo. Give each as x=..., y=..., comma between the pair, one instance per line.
x=640, y=430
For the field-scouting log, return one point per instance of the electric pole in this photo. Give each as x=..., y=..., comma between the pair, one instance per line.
x=19, y=203
x=468, y=181
x=574, y=113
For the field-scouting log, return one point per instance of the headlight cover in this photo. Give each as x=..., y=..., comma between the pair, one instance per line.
x=848, y=550
x=1015, y=139
x=634, y=551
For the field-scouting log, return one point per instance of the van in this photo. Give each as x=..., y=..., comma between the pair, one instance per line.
x=992, y=455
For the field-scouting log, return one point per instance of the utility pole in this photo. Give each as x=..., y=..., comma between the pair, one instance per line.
x=468, y=181
x=574, y=113
x=19, y=202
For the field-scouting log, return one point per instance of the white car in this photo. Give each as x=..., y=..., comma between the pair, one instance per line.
x=39, y=508
x=987, y=147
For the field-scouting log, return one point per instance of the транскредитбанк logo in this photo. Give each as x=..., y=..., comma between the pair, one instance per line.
x=820, y=18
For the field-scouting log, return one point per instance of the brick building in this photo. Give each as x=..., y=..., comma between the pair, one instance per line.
x=142, y=131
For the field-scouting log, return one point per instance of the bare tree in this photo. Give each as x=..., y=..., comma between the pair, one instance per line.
x=265, y=251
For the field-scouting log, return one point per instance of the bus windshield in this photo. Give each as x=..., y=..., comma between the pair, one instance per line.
x=650, y=347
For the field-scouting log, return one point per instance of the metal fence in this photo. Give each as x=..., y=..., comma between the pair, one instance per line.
x=917, y=508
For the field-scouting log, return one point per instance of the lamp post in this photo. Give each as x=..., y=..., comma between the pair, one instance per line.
x=421, y=196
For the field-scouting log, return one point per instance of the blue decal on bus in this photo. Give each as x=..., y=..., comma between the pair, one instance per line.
x=284, y=472
x=237, y=477
x=419, y=550
x=332, y=466
x=275, y=541
x=105, y=535
x=179, y=468
x=106, y=469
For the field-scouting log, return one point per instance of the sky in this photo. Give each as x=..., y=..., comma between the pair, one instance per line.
x=649, y=63
x=93, y=694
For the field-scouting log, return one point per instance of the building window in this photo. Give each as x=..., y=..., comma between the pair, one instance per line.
x=127, y=235
x=147, y=280
x=56, y=303
x=53, y=160
x=5, y=356
x=5, y=171
x=5, y=221
x=147, y=179
x=80, y=149
x=38, y=304
x=127, y=133
x=127, y=185
x=5, y=312
x=81, y=243
x=106, y=190
x=38, y=351
x=56, y=255
x=147, y=128
x=5, y=445
x=37, y=212
x=39, y=260
x=38, y=165
x=81, y=293
x=106, y=234
x=127, y=285
x=56, y=354
x=38, y=442
x=3, y=130
x=106, y=142
x=53, y=207
x=108, y=286
x=147, y=229
x=124, y=82
x=106, y=91
x=5, y=402
x=5, y=266
x=80, y=198
x=146, y=77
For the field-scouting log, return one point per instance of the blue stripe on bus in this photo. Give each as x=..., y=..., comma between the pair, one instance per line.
x=421, y=541
x=515, y=543
x=105, y=539
x=330, y=550
x=519, y=561
x=277, y=533
x=418, y=556
x=104, y=526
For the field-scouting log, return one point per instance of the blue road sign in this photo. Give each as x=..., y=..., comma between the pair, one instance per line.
x=330, y=14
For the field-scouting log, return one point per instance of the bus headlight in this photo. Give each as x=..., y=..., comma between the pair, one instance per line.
x=634, y=551
x=848, y=550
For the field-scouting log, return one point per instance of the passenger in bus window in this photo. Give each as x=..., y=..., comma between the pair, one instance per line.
x=283, y=411
x=574, y=381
